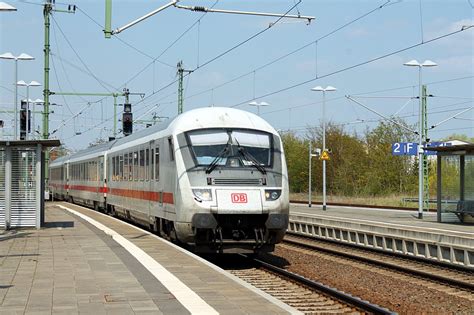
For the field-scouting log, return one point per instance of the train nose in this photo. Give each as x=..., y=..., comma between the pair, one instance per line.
x=240, y=201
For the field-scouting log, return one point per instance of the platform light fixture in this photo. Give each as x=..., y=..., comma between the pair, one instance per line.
x=258, y=105
x=324, y=90
x=415, y=63
x=10, y=56
x=6, y=7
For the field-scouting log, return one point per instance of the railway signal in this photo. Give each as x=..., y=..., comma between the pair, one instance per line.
x=127, y=119
x=25, y=125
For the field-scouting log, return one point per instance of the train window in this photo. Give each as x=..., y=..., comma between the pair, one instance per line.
x=130, y=166
x=135, y=165
x=125, y=166
x=152, y=164
x=171, y=148
x=114, y=168
x=101, y=169
x=117, y=168
x=141, y=169
x=157, y=163
x=120, y=170
x=147, y=163
x=226, y=146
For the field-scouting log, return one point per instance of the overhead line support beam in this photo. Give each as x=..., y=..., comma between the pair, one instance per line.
x=108, y=15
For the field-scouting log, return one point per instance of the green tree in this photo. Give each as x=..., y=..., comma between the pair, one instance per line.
x=345, y=171
x=296, y=151
x=386, y=173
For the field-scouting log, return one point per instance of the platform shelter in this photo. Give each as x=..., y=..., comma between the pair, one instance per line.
x=22, y=176
x=455, y=181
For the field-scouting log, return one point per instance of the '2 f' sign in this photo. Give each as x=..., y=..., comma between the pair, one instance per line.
x=404, y=148
x=238, y=197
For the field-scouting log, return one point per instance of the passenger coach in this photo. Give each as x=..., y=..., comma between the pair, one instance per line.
x=214, y=178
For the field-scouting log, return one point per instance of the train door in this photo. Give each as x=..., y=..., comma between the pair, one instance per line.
x=148, y=176
x=101, y=181
x=66, y=180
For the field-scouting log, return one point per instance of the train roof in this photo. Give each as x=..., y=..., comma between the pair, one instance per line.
x=59, y=160
x=201, y=118
x=86, y=153
x=219, y=117
x=206, y=117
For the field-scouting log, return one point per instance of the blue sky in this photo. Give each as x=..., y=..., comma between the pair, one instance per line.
x=84, y=61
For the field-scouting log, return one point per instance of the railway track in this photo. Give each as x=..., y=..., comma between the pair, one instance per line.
x=455, y=281
x=303, y=294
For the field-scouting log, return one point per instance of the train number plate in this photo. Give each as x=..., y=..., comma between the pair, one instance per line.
x=239, y=198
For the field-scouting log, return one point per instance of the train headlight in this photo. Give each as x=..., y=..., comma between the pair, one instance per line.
x=203, y=194
x=272, y=194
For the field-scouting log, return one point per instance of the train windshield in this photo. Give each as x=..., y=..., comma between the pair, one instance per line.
x=231, y=147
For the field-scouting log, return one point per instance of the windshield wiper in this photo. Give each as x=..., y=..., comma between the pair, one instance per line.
x=251, y=158
x=217, y=159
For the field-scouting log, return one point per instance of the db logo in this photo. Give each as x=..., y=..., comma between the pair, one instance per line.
x=238, y=198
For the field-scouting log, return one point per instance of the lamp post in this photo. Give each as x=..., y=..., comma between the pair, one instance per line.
x=311, y=154
x=258, y=104
x=36, y=102
x=32, y=83
x=324, y=90
x=6, y=7
x=22, y=56
x=426, y=63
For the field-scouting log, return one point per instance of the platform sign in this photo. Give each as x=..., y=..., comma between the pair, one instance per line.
x=404, y=148
x=436, y=144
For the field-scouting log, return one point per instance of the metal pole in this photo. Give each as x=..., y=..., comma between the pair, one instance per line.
x=426, y=183
x=324, y=150
x=37, y=185
x=115, y=115
x=48, y=7
x=123, y=28
x=108, y=18
x=420, y=151
x=309, y=179
x=15, y=117
x=27, y=109
x=180, y=87
x=8, y=186
x=33, y=120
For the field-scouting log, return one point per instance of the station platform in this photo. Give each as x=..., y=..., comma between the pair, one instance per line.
x=83, y=261
x=386, y=229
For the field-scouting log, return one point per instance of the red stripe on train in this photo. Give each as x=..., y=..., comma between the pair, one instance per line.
x=136, y=194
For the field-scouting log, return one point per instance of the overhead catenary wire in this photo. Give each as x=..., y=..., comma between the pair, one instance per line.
x=220, y=55
x=293, y=51
x=188, y=78
x=248, y=39
x=359, y=64
x=80, y=59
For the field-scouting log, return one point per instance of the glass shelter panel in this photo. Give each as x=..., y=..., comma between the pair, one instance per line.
x=23, y=206
x=457, y=188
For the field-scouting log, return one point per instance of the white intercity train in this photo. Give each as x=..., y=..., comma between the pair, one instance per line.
x=214, y=178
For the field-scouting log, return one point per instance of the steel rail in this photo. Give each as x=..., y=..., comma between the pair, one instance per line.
x=333, y=293
x=422, y=274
